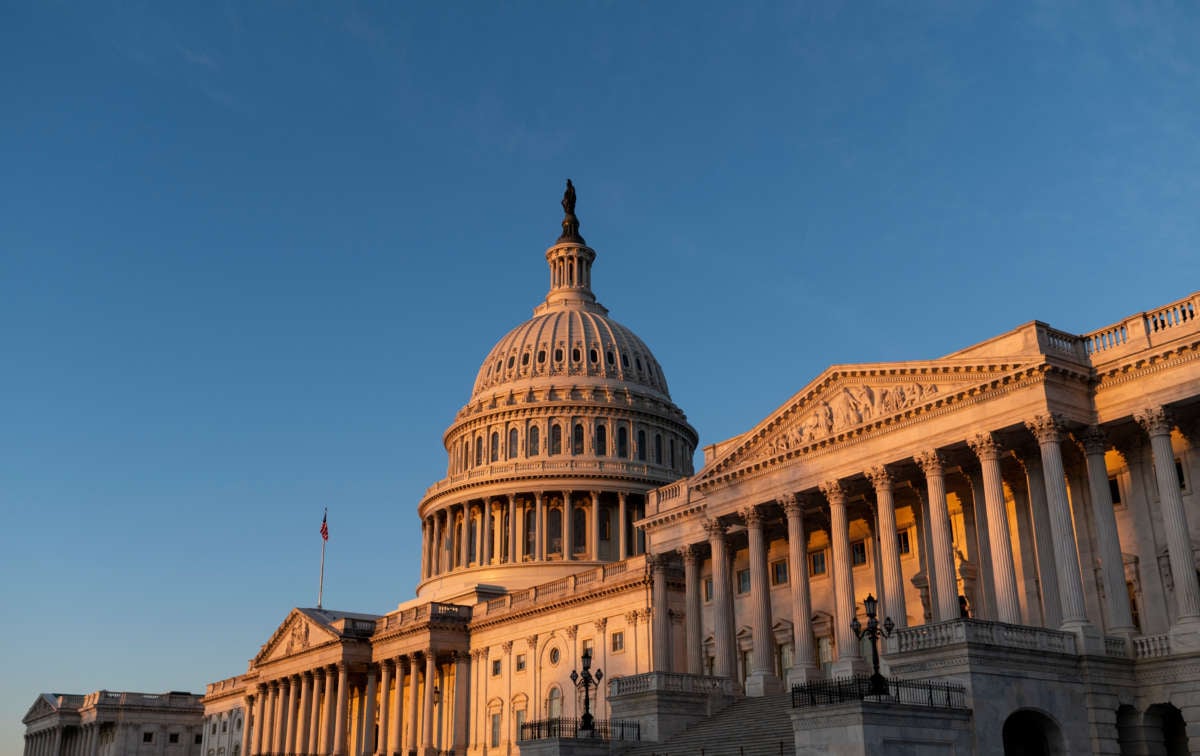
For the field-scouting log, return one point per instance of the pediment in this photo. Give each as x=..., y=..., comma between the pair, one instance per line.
x=856, y=398
x=42, y=706
x=297, y=634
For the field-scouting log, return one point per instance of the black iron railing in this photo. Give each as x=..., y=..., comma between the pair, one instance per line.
x=941, y=695
x=602, y=729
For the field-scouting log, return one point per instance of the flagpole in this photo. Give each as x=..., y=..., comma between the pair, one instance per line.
x=324, y=540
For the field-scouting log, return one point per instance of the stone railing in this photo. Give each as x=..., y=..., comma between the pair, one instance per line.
x=591, y=578
x=667, y=497
x=228, y=685
x=171, y=700
x=924, y=637
x=672, y=682
x=1151, y=646
x=1144, y=329
x=434, y=610
x=550, y=467
x=1117, y=647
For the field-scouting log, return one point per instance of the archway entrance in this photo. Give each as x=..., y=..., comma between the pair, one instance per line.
x=1031, y=733
x=1166, y=722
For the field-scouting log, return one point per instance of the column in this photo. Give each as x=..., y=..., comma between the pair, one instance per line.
x=511, y=553
x=520, y=546
x=368, y=738
x=437, y=543
x=980, y=541
x=539, y=525
x=303, y=718
x=262, y=724
x=849, y=659
x=594, y=526
x=804, y=664
x=1004, y=576
x=413, y=708
x=426, y=549
x=339, y=721
x=56, y=742
x=661, y=616
x=314, y=712
x=485, y=542
x=1043, y=540
x=462, y=670
x=761, y=679
x=1112, y=564
x=894, y=604
x=1048, y=429
x=1186, y=627
x=691, y=585
x=931, y=464
x=329, y=714
x=464, y=552
x=726, y=653
x=247, y=722
x=279, y=721
x=393, y=741
x=622, y=546
x=385, y=709
x=427, y=720
x=293, y=706
x=568, y=527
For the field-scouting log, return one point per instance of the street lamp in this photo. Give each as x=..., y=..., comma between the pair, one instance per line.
x=879, y=685
x=585, y=679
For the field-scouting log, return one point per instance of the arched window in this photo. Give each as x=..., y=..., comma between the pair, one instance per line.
x=554, y=704
x=533, y=441
x=641, y=444
x=555, y=439
x=478, y=450
x=512, y=443
x=577, y=439
x=601, y=440
x=530, y=533
x=554, y=531
x=658, y=448
x=579, y=530
x=495, y=446
x=623, y=442
x=672, y=454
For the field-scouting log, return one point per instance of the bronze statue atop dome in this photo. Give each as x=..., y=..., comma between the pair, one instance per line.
x=570, y=224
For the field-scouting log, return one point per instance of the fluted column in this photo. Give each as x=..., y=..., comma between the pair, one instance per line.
x=942, y=543
x=661, y=616
x=1004, y=576
x=438, y=544
x=761, y=679
x=894, y=604
x=622, y=516
x=804, y=664
x=247, y=723
x=691, y=599
x=511, y=555
x=385, y=709
x=1157, y=423
x=1112, y=564
x=1043, y=540
x=279, y=721
x=329, y=712
x=314, y=711
x=568, y=527
x=464, y=538
x=339, y=716
x=594, y=526
x=293, y=708
x=303, y=718
x=539, y=525
x=368, y=739
x=413, y=706
x=462, y=670
x=1048, y=430
x=262, y=724
x=397, y=714
x=725, y=663
x=486, y=540
x=427, y=720
x=849, y=659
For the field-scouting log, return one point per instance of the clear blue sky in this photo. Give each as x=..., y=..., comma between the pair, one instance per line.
x=251, y=257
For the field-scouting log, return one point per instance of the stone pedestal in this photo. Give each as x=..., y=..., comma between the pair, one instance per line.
x=566, y=747
x=665, y=704
x=862, y=728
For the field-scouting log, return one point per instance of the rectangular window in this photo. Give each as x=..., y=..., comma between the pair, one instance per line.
x=496, y=730
x=520, y=721
x=743, y=581
x=858, y=553
x=779, y=572
x=173, y=737
x=1114, y=490
x=147, y=737
x=708, y=589
x=618, y=642
x=902, y=544
x=589, y=648
x=816, y=563
x=200, y=740
x=496, y=668
x=520, y=662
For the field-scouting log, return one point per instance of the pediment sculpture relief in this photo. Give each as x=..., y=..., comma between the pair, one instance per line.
x=848, y=407
x=298, y=638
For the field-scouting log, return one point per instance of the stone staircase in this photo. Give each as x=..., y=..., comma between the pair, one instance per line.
x=749, y=727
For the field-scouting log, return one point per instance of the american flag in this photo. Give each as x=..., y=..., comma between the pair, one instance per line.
x=325, y=526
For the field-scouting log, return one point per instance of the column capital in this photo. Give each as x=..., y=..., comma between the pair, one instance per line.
x=658, y=562
x=690, y=553
x=1092, y=440
x=631, y=618
x=715, y=529
x=531, y=641
x=834, y=491
x=600, y=624
x=571, y=631
x=752, y=516
x=790, y=503
x=985, y=446
x=1047, y=427
x=931, y=462
x=1156, y=421
x=881, y=477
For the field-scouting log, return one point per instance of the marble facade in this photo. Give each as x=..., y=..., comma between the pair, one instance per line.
x=114, y=723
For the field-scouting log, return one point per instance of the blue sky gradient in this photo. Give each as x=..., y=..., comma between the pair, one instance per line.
x=252, y=255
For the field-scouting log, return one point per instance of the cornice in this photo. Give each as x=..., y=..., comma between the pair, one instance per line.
x=1146, y=364
x=635, y=582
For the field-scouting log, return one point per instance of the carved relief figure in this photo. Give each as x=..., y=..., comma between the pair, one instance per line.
x=848, y=407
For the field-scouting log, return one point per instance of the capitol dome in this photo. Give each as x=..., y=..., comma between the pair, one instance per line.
x=569, y=424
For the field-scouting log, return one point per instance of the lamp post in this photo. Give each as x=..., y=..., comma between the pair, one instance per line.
x=585, y=679
x=879, y=685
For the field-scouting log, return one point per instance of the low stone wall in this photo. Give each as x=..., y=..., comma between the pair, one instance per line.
x=860, y=728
